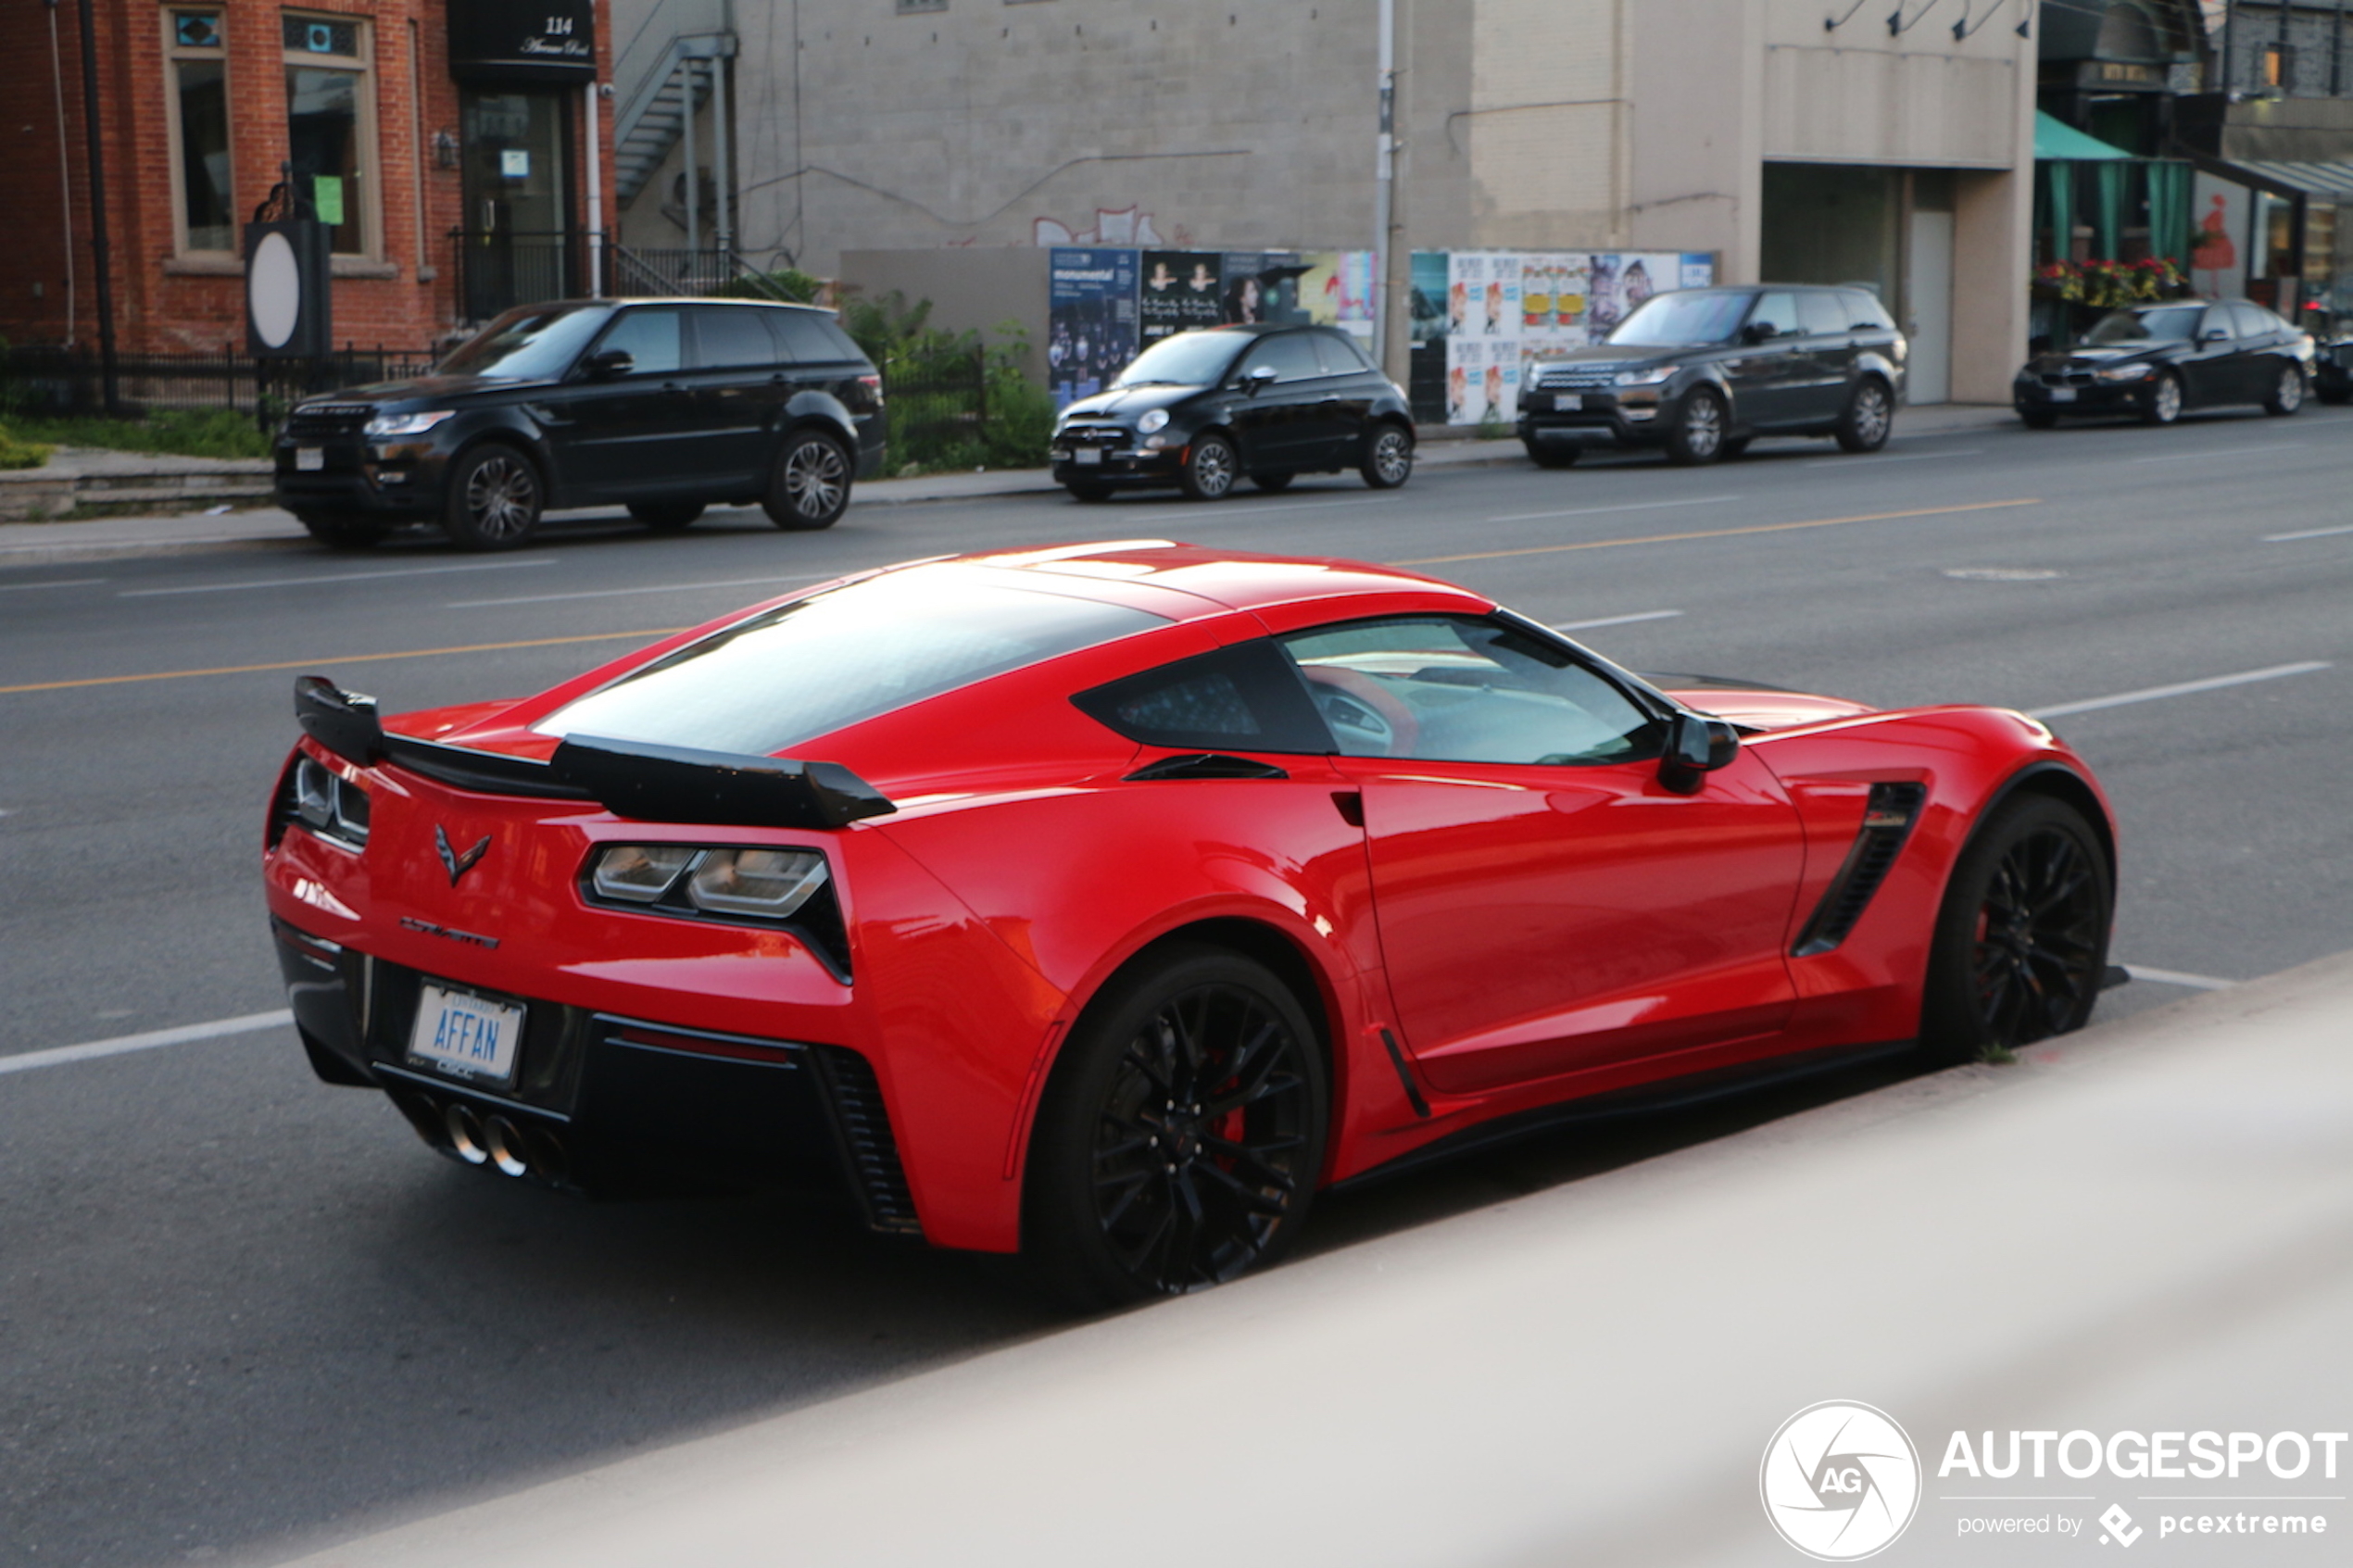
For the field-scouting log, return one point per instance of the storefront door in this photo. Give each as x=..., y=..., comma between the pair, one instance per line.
x=517, y=239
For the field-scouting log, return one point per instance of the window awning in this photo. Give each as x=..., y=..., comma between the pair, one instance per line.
x=2057, y=141
x=2329, y=182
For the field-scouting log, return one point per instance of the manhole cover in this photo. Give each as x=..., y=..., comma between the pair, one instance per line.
x=2003, y=573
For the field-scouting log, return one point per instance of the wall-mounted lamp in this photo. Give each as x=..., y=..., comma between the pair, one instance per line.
x=445, y=150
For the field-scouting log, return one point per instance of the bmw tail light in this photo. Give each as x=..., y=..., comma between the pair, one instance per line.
x=764, y=883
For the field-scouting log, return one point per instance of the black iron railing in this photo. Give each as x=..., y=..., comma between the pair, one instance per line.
x=38, y=380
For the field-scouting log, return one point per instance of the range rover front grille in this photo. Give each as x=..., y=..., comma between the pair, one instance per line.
x=317, y=421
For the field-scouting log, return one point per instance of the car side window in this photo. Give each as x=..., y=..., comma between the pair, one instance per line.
x=652, y=337
x=726, y=339
x=1458, y=689
x=1778, y=311
x=1242, y=698
x=2251, y=321
x=1820, y=313
x=1864, y=312
x=2217, y=320
x=810, y=339
x=1339, y=357
x=1289, y=355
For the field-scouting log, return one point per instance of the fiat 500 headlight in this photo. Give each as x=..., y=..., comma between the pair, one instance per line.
x=757, y=883
x=1153, y=419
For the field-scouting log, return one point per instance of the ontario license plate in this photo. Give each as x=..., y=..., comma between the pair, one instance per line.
x=1083, y=455
x=2062, y=395
x=1567, y=402
x=458, y=1032
x=310, y=459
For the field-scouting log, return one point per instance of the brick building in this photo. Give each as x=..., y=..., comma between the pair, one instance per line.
x=440, y=140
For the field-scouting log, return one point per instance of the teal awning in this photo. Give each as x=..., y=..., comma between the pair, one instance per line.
x=2057, y=140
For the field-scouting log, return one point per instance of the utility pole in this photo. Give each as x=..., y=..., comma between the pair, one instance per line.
x=110, y=385
x=1384, y=180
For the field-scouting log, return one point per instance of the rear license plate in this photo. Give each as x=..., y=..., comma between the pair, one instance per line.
x=461, y=1032
x=310, y=459
x=1567, y=402
x=2062, y=395
x=1083, y=455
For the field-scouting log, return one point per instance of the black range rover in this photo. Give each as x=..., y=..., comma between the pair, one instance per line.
x=1200, y=410
x=662, y=405
x=1702, y=371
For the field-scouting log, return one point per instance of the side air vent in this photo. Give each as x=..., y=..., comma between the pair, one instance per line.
x=1205, y=765
x=1887, y=822
x=868, y=1150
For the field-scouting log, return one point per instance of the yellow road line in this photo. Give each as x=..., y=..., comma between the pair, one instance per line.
x=337, y=659
x=1719, y=532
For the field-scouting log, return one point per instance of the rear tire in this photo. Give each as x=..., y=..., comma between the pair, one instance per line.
x=2020, y=943
x=338, y=532
x=2287, y=394
x=810, y=486
x=1869, y=417
x=1554, y=454
x=1210, y=469
x=1697, y=434
x=495, y=499
x=1388, y=456
x=1273, y=480
x=1180, y=1138
x=667, y=517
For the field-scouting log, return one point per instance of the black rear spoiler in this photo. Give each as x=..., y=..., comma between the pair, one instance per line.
x=653, y=784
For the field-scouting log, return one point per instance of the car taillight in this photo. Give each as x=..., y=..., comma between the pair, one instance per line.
x=759, y=883
x=872, y=384
x=329, y=805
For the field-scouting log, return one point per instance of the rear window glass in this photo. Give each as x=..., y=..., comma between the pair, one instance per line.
x=812, y=337
x=1245, y=698
x=1822, y=313
x=726, y=339
x=839, y=657
x=1864, y=312
x=1341, y=356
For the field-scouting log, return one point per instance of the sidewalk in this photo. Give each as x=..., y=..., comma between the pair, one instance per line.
x=266, y=528
x=2143, y=1226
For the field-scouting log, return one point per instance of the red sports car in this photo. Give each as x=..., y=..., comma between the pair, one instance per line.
x=1103, y=903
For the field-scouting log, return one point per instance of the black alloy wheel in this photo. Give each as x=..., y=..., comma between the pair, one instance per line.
x=339, y=531
x=2287, y=394
x=1081, y=489
x=1180, y=1138
x=1209, y=469
x=2163, y=404
x=1697, y=435
x=2021, y=945
x=1870, y=415
x=495, y=499
x=1388, y=456
x=1272, y=480
x=1554, y=454
x=810, y=488
x=666, y=517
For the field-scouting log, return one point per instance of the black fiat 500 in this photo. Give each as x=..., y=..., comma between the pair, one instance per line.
x=664, y=406
x=1703, y=372
x=1201, y=409
x=2155, y=361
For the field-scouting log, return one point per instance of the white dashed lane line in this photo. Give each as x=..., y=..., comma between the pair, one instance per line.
x=58, y=1055
x=2182, y=688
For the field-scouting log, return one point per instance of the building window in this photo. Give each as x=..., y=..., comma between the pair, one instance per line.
x=196, y=74
x=330, y=127
x=2278, y=66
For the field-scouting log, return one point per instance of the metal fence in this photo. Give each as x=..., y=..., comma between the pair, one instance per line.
x=70, y=381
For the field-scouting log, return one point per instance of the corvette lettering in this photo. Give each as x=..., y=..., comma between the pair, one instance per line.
x=411, y=923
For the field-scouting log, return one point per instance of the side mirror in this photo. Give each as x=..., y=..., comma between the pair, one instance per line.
x=1760, y=332
x=607, y=364
x=2215, y=334
x=1257, y=378
x=1696, y=747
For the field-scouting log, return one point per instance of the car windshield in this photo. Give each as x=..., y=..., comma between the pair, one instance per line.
x=534, y=343
x=1664, y=321
x=2176, y=324
x=842, y=657
x=1186, y=359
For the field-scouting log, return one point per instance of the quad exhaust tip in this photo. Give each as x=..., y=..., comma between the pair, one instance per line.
x=513, y=1146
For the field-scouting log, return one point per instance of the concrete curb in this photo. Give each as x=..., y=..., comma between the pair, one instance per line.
x=2149, y=1224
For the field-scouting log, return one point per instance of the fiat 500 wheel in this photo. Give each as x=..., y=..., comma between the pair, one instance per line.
x=1389, y=458
x=1210, y=469
x=1179, y=1139
x=2021, y=945
x=811, y=486
x=493, y=499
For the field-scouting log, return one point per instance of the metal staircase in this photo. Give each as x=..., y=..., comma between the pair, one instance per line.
x=669, y=69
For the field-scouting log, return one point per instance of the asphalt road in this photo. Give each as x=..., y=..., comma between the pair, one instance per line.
x=241, y=1311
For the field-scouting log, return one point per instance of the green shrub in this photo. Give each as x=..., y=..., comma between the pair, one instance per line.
x=953, y=401
x=208, y=432
x=16, y=453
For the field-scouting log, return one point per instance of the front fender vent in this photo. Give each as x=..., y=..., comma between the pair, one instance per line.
x=1887, y=822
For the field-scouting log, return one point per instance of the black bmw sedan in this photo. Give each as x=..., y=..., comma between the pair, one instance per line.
x=662, y=405
x=2156, y=361
x=1703, y=372
x=1202, y=409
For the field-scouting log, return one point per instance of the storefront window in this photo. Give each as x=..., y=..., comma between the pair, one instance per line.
x=198, y=78
x=330, y=127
